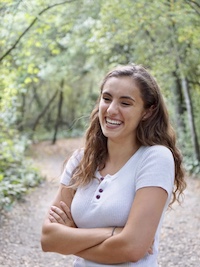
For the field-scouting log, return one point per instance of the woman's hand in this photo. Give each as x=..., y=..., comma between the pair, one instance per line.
x=150, y=250
x=61, y=215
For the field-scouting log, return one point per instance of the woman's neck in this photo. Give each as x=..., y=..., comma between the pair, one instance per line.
x=118, y=155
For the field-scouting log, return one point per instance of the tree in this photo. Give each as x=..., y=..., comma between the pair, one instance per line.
x=163, y=35
x=78, y=41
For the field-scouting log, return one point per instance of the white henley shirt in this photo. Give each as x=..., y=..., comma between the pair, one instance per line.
x=106, y=201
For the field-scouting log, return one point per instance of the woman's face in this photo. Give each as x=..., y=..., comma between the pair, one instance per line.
x=120, y=109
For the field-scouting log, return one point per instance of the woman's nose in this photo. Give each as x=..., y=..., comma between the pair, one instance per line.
x=113, y=108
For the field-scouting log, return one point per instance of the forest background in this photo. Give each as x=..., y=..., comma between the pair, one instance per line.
x=53, y=55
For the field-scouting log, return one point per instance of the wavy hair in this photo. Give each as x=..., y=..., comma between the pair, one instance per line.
x=155, y=130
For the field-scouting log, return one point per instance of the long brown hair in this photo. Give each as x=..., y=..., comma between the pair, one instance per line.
x=156, y=130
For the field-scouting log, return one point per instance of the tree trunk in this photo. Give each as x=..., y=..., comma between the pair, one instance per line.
x=178, y=103
x=60, y=102
x=44, y=110
x=36, y=97
x=20, y=123
x=185, y=89
x=193, y=132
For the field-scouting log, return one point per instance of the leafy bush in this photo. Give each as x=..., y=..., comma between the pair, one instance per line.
x=17, y=174
x=192, y=166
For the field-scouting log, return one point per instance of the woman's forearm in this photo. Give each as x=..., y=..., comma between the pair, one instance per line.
x=67, y=240
x=115, y=250
x=110, y=252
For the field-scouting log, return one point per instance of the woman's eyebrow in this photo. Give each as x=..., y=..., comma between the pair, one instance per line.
x=121, y=97
x=106, y=93
x=128, y=97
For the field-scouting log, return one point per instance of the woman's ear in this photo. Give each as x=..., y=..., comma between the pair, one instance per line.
x=148, y=113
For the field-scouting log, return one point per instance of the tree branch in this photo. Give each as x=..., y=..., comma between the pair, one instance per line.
x=44, y=110
x=194, y=5
x=28, y=28
x=194, y=82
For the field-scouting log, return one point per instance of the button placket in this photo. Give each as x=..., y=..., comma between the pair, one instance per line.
x=100, y=190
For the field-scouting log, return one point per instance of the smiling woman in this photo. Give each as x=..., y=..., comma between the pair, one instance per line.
x=114, y=192
x=120, y=110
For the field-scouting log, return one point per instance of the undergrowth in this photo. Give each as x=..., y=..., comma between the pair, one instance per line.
x=17, y=174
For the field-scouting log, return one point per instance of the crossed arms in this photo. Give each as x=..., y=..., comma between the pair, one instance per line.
x=128, y=244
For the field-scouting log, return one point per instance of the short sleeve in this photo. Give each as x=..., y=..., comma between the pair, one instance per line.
x=156, y=168
x=72, y=163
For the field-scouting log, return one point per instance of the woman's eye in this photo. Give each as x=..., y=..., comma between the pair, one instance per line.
x=106, y=99
x=125, y=104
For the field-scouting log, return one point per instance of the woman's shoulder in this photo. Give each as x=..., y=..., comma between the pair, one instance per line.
x=74, y=159
x=71, y=165
x=157, y=151
x=77, y=154
x=156, y=148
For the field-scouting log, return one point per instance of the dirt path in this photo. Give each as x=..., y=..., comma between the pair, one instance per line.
x=20, y=228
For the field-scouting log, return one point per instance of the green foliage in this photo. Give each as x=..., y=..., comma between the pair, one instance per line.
x=163, y=35
x=68, y=46
x=192, y=166
x=54, y=52
x=16, y=172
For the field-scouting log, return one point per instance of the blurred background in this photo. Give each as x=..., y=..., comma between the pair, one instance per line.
x=53, y=55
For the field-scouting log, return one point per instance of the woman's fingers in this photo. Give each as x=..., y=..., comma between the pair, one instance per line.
x=52, y=219
x=61, y=215
x=150, y=250
x=66, y=209
x=58, y=214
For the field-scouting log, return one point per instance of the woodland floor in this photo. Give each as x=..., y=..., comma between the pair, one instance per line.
x=20, y=228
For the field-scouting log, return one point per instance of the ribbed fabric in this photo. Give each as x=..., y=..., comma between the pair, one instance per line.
x=108, y=203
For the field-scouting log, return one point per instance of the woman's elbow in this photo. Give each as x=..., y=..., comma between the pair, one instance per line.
x=136, y=257
x=134, y=254
x=45, y=240
x=44, y=244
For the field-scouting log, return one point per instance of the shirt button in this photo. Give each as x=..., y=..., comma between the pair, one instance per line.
x=98, y=196
x=100, y=190
x=101, y=178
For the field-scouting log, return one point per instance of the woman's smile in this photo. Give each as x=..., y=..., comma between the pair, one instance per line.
x=113, y=122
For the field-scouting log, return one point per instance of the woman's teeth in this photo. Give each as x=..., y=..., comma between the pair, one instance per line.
x=113, y=122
